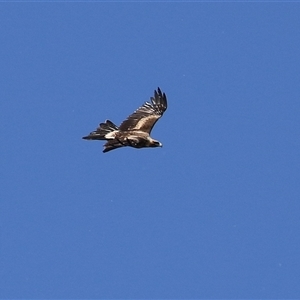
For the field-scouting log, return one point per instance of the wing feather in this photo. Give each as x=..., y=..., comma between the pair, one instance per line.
x=145, y=117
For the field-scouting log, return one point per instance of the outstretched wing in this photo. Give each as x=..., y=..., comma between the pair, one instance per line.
x=145, y=117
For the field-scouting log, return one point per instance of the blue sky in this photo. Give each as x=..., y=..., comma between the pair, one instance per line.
x=212, y=214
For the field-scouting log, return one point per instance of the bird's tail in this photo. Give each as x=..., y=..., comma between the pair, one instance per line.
x=102, y=132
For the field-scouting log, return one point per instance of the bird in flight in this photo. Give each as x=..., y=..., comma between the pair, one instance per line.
x=135, y=130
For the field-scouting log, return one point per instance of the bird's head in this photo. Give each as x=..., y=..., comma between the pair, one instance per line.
x=155, y=143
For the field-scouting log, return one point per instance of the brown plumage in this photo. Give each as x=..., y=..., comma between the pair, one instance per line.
x=135, y=130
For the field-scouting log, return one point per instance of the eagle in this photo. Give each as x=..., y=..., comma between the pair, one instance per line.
x=135, y=130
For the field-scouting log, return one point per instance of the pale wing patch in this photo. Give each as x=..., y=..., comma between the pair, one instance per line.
x=147, y=115
x=146, y=123
x=143, y=118
x=111, y=135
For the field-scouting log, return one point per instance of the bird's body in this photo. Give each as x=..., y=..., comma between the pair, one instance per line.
x=135, y=130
